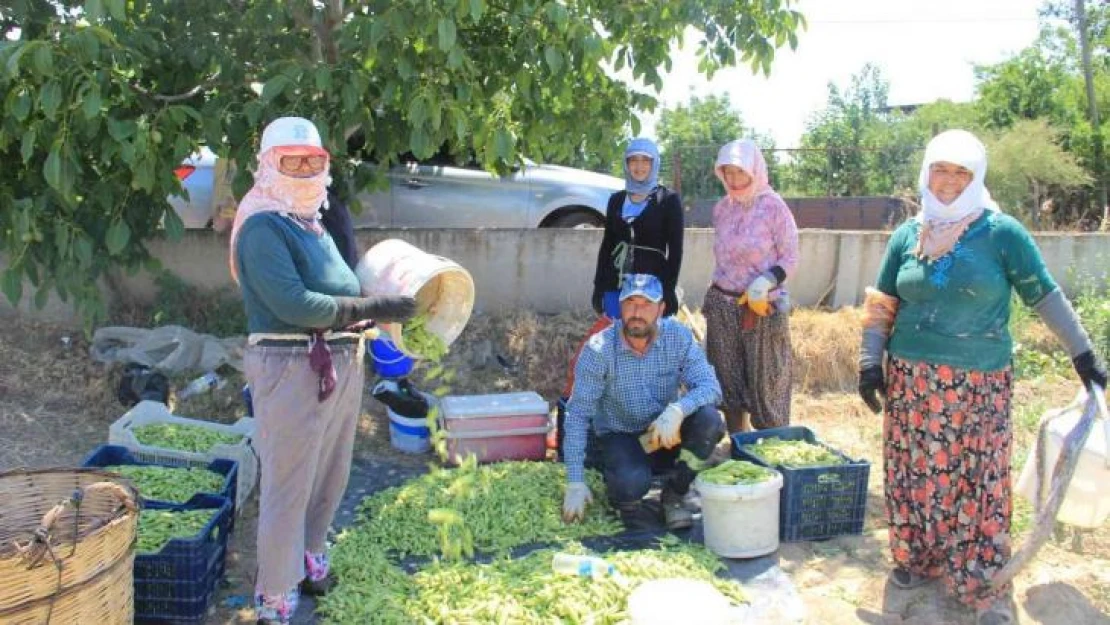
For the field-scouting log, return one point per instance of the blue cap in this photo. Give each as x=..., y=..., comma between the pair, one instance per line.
x=644, y=285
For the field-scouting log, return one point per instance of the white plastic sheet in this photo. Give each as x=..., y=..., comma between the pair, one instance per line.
x=170, y=349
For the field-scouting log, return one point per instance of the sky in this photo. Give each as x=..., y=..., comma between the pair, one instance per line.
x=926, y=49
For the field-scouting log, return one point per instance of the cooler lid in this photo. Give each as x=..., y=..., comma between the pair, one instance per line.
x=495, y=405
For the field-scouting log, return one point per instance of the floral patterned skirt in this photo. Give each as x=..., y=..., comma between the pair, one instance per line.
x=754, y=365
x=946, y=456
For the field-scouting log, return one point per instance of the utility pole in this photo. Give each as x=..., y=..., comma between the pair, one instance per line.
x=1092, y=107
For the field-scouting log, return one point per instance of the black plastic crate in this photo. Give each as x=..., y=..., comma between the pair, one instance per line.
x=176, y=584
x=110, y=455
x=816, y=502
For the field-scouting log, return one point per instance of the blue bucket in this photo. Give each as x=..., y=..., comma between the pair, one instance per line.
x=389, y=361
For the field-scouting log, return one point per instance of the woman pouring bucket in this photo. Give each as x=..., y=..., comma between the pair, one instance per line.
x=305, y=311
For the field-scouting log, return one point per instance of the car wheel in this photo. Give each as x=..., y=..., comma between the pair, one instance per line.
x=578, y=219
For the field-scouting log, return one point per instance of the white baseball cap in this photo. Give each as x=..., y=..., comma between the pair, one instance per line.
x=289, y=132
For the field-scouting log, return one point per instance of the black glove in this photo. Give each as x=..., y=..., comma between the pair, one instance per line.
x=384, y=308
x=872, y=387
x=1090, y=369
x=595, y=301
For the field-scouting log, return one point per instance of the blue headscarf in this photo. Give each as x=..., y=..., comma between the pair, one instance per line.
x=646, y=147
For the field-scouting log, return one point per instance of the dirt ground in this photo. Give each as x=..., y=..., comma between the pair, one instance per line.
x=56, y=404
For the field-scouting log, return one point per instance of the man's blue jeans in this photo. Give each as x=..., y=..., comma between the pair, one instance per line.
x=628, y=469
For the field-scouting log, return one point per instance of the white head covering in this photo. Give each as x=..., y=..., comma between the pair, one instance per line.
x=961, y=148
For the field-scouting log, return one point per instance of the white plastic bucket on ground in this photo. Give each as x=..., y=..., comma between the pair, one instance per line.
x=741, y=521
x=409, y=435
x=678, y=600
x=442, y=288
x=1087, y=501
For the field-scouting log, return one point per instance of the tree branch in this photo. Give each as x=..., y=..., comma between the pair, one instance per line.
x=304, y=20
x=171, y=99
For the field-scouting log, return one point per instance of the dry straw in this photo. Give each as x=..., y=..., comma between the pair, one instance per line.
x=66, y=538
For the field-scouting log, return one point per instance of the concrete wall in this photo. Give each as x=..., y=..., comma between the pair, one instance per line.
x=552, y=270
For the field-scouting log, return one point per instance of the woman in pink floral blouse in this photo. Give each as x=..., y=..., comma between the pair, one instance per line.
x=747, y=307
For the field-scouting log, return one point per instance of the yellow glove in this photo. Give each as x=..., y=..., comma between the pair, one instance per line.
x=665, y=430
x=759, y=307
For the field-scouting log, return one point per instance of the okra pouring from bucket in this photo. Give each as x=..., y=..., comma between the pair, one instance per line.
x=443, y=291
x=676, y=418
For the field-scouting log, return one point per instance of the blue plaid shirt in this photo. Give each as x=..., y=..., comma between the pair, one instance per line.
x=620, y=391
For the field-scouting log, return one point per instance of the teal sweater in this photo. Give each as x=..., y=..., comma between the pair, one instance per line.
x=288, y=275
x=956, y=310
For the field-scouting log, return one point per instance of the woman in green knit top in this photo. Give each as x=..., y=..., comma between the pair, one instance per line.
x=941, y=312
x=303, y=360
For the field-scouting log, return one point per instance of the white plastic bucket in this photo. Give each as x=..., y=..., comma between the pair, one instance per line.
x=741, y=521
x=1087, y=501
x=442, y=288
x=677, y=600
x=407, y=434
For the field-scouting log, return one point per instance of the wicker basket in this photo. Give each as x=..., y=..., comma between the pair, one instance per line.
x=67, y=562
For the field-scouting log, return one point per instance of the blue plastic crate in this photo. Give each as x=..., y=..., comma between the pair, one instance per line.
x=816, y=502
x=109, y=455
x=176, y=584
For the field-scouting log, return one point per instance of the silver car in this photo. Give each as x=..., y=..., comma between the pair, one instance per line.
x=431, y=195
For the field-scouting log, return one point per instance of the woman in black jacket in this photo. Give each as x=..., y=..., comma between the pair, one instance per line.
x=643, y=232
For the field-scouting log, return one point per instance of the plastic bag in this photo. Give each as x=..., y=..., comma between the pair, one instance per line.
x=1087, y=501
x=171, y=349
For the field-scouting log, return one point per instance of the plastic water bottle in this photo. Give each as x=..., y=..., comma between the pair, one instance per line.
x=583, y=566
x=203, y=384
x=248, y=401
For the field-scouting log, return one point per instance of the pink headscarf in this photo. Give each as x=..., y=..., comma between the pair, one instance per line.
x=745, y=154
x=273, y=191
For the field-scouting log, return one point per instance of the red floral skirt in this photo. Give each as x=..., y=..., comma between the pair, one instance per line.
x=946, y=456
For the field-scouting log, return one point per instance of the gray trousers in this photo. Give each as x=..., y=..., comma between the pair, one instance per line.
x=304, y=447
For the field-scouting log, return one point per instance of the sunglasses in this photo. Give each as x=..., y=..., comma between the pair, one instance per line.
x=296, y=163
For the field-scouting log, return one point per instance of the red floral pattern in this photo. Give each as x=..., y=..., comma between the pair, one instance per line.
x=946, y=456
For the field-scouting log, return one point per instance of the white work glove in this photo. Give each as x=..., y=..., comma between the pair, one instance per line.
x=759, y=289
x=575, y=500
x=664, y=429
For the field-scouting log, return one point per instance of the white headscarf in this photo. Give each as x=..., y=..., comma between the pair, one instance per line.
x=964, y=149
x=942, y=224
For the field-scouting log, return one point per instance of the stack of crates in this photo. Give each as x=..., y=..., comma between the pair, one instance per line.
x=177, y=584
x=816, y=502
x=152, y=412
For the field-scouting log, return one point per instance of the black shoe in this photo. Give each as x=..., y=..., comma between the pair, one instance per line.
x=317, y=588
x=675, y=514
x=636, y=517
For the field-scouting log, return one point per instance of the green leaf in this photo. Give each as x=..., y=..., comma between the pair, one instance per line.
x=50, y=99
x=477, y=7
x=120, y=130
x=61, y=240
x=635, y=126
x=118, y=9
x=13, y=60
x=274, y=87
x=119, y=233
x=83, y=247
x=21, y=108
x=42, y=295
x=52, y=168
x=42, y=61
x=90, y=106
x=446, y=34
x=27, y=147
x=554, y=59
x=503, y=143
x=171, y=221
x=323, y=79
x=12, y=284
x=455, y=58
x=94, y=9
